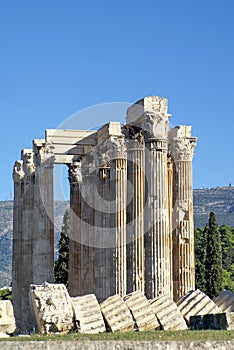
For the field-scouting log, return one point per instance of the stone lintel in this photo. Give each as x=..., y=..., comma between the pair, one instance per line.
x=107, y=131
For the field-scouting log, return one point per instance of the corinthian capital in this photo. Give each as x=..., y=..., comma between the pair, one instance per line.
x=28, y=162
x=18, y=173
x=117, y=148
x=74, y=173
x=46, y=155
x=181, y=143
x=150, y=114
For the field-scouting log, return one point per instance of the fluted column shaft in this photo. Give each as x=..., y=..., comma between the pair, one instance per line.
x=118, y=177
x=183, y=240
x=104, y=270
x=135, y=216
x=170, y=185
x=43, y=240
x=157, y=279
x=181, y=148
x=75, y=245
x=17, y=267
x=28, y=229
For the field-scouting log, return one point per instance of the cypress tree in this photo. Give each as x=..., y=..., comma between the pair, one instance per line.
x=200, y=258
x=62, y=264
x=213, y=261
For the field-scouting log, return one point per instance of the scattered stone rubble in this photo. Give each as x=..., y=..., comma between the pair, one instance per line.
x=87, y=314
x=196, y=303
x=142, y=312
x=7, y=319
x=167, y=313
x=56, y=312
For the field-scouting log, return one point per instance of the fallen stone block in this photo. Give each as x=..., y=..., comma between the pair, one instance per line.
x=117, y=315
x=7, y=319
x=142, y=311
x=87, y=314
x=167, y=313
x=52, y=308
x=196, y=303
x=225, y=301
x=211, y=321
x=4, y=335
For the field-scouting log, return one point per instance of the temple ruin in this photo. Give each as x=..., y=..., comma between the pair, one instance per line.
x=131, y=203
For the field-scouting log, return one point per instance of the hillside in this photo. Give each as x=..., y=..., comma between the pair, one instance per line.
x=220, y=200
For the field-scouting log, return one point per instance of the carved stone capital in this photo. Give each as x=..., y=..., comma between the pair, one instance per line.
x=133, y=133
x=181, y=144
x=150, y=114
x=183, y=150
x=74, y=173
x=156, y=145
x=18, y=173
x=155, y=125
x=117, y=148
x=46, y=155
x=28, y=162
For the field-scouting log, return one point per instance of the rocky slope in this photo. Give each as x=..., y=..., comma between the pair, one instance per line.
x=220, y=200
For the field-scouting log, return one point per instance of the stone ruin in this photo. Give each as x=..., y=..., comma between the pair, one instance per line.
x=131, y=204
x=56, y=312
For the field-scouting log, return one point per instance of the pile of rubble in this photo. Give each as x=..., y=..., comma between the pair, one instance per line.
x=56, y=312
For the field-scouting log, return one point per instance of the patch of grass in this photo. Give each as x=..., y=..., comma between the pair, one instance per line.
x=186, y=335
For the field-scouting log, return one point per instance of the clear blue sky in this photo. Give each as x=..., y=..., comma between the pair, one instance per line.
x=58, y=57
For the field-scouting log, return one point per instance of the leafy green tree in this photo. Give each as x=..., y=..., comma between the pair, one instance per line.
x=62, y=264
x=227, y=244
x=200, y=254
x=213, y=260
x=5, y=294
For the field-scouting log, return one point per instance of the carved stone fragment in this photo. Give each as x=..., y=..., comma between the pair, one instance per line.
x=52, y=308
x=7, y=319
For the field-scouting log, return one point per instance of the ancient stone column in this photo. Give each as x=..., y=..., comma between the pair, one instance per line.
x=104, y=271
x=156, y=220
x=151, y=115
x=18, y=270
x=28, y=229
x=135, y=208
x=170, y=216
x=118, y=179
x=75, y=242
x=43, y=239
x=181, y=146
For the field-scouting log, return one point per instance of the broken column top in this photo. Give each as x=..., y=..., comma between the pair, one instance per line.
x=112, y=129
x=181, y=131
x=150, y=114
